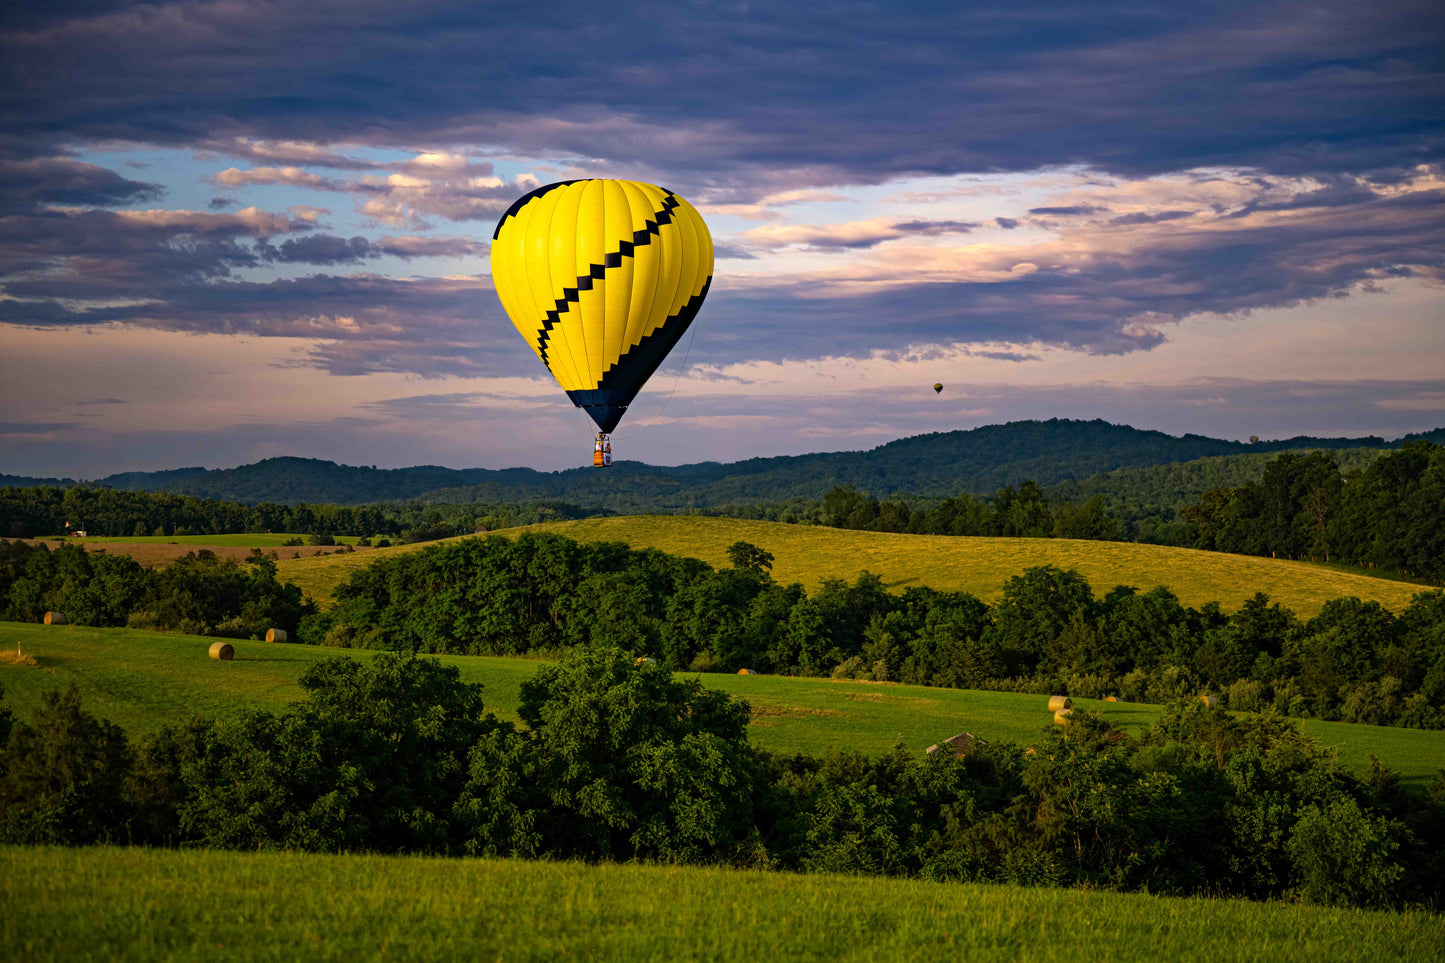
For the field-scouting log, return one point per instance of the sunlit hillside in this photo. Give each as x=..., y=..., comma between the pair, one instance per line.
x=810, y=554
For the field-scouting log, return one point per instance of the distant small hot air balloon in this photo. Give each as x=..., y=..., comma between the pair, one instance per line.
x=602, y=277
x=937, y=389
x=1254, y=439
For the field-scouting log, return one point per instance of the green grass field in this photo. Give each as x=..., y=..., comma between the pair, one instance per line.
x=142, y=680
x=261, y=539
x=809, y=554
x=135, y=904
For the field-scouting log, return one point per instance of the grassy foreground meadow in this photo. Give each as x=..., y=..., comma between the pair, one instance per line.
x=143, y=680
x=809, y=554
x=137, y=904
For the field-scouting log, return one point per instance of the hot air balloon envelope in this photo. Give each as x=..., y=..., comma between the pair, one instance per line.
x=937, y=389
x=602, y=277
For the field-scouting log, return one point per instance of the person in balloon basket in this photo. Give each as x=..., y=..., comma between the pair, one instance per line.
x=607, y=455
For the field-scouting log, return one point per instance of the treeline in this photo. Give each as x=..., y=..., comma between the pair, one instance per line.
x=198, y=594
x=1354, y=661
x=622, y=761
x=1023, y=512
x=38, y=511
x=1390, y=515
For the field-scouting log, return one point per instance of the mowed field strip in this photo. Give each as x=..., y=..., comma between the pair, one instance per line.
x=107, y=904
x=143, y=680
x=809, y=554
x=153, y=550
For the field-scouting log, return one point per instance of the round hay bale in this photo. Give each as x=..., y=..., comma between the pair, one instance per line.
x=275, y=635
x=1111, y=698
x=1209, y=701
x=1060, y=702
x=1061, y=718
x=54, y=618
x=222, y=651
x=746, y=672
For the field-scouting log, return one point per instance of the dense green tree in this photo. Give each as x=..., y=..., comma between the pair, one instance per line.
x=631, y=763
x=750, y=558
x=64, y=775
x=373, y=758
x=1036, y=608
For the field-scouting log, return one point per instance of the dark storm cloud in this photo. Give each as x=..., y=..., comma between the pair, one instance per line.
x=35, y=428
x=322, y=249
x=83, y=255
x=1143, y=217
x=329, y=249
x=1005, y=355
x=858, y=235
x=733, y=252
x=1074, y=211
x=28, y=184
x=740, y=98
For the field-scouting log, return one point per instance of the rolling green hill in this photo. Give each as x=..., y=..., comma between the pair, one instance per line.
x=809, y=554
x=138, y=904
x=142, y=680
x=977, y=461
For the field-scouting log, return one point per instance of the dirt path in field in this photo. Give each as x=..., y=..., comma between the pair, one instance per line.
x=150, y=554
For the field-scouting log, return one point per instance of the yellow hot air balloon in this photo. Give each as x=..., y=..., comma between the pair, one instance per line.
x=602, y=277
x=937, y=388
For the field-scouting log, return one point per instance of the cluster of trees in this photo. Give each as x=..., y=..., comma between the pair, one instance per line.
x=621, y=761
x=46, y=510
x=1354, y=661
x=1389, y=515
x=199, y=594
x=1147, y=500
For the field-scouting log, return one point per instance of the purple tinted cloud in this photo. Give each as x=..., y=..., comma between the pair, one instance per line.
x=742, y=98
x=28, y=184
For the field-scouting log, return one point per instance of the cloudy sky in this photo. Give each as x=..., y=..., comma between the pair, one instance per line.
x=231, y=230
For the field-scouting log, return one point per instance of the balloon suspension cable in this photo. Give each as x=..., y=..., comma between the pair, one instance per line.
x=686, y=355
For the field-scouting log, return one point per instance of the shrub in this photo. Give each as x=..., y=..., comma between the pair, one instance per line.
x=1342, y=856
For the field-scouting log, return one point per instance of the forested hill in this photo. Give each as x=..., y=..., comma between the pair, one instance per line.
x=978, y=461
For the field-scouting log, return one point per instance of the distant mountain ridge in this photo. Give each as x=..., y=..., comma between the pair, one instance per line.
x=940, y=464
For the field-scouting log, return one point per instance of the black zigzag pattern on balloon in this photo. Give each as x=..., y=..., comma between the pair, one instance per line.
x=521, y=202
x=607, y=403
x=596, y=272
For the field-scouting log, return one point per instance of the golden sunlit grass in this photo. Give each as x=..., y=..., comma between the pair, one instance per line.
x=810, y=554
x=18, y=659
